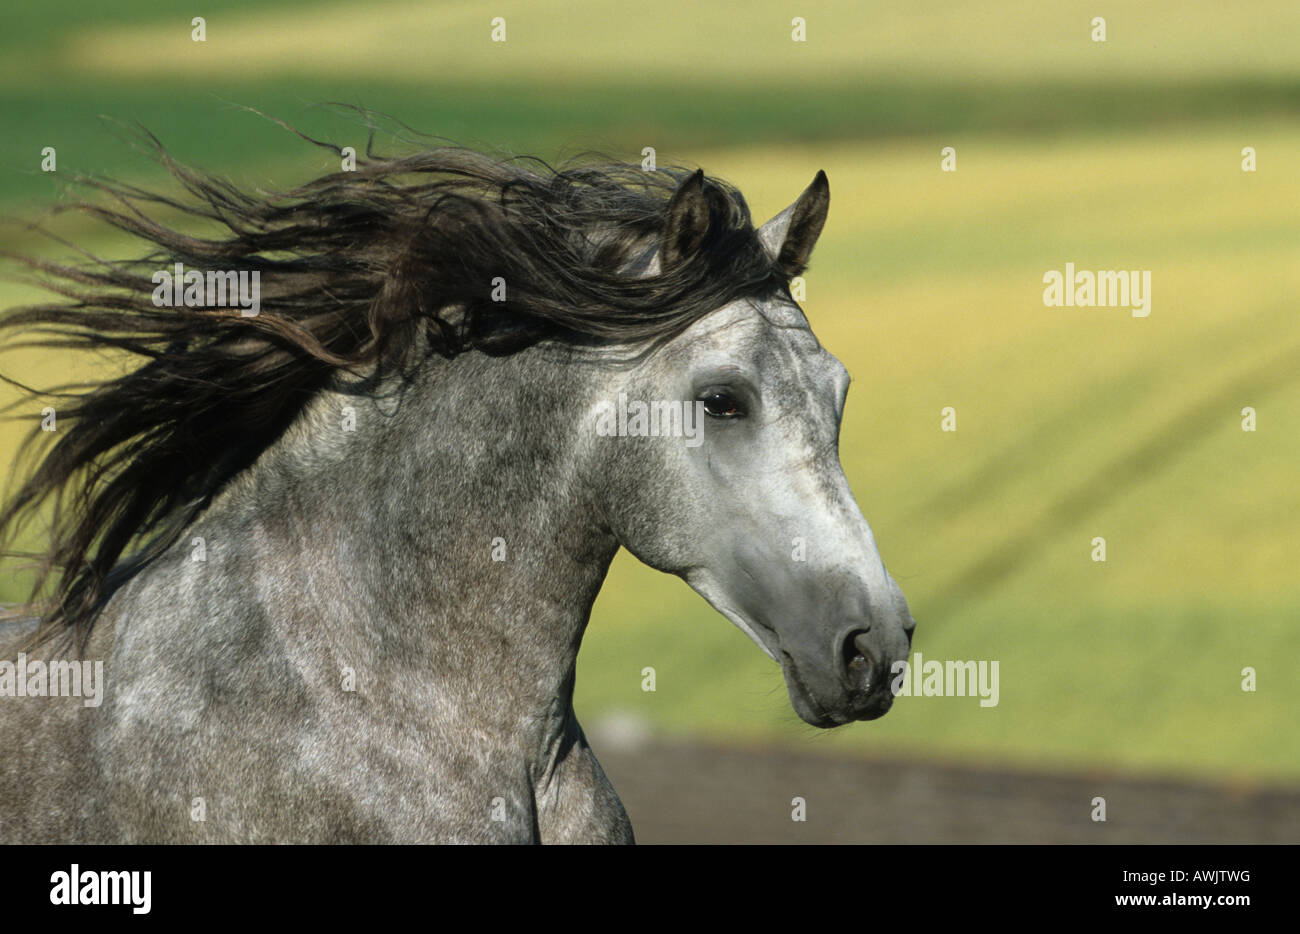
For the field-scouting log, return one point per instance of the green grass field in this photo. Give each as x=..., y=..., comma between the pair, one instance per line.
x=1072, y=422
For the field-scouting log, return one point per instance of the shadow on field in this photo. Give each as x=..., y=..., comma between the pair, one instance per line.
x=684, y=792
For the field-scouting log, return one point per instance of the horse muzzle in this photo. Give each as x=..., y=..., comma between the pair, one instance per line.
x=852, y=681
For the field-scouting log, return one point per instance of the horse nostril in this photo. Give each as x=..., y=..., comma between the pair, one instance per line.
x=859, y=660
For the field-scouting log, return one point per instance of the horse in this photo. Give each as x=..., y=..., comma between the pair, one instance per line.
x=337, y=556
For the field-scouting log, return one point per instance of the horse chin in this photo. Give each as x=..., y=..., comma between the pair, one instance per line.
x=873, y=707
x=827, y=715
x=805, y=703
x=814, y=718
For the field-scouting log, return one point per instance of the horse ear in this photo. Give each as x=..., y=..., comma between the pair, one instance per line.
x=789, y=237
x=692, y=211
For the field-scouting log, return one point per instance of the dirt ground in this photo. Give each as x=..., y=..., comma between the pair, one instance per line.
x=682, y=792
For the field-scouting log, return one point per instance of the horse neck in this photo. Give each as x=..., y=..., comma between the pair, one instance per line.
x=450, y=535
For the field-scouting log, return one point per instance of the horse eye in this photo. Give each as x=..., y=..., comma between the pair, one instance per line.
x=720, y=404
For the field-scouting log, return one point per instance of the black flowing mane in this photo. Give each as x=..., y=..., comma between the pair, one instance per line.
x=367, y=272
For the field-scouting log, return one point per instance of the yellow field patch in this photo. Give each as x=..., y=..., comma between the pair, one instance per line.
x=593, y=39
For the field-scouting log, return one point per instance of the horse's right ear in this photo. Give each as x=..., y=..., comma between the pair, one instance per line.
x=789, y=237
x=694, y=208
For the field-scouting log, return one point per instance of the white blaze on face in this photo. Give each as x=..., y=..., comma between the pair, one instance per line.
x=813, y=489
x=815, y=498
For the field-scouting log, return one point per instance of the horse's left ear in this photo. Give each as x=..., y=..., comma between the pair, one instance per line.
x=695, y=209
x=789, y=237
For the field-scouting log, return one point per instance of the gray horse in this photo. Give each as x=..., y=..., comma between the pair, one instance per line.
x=337, y=557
